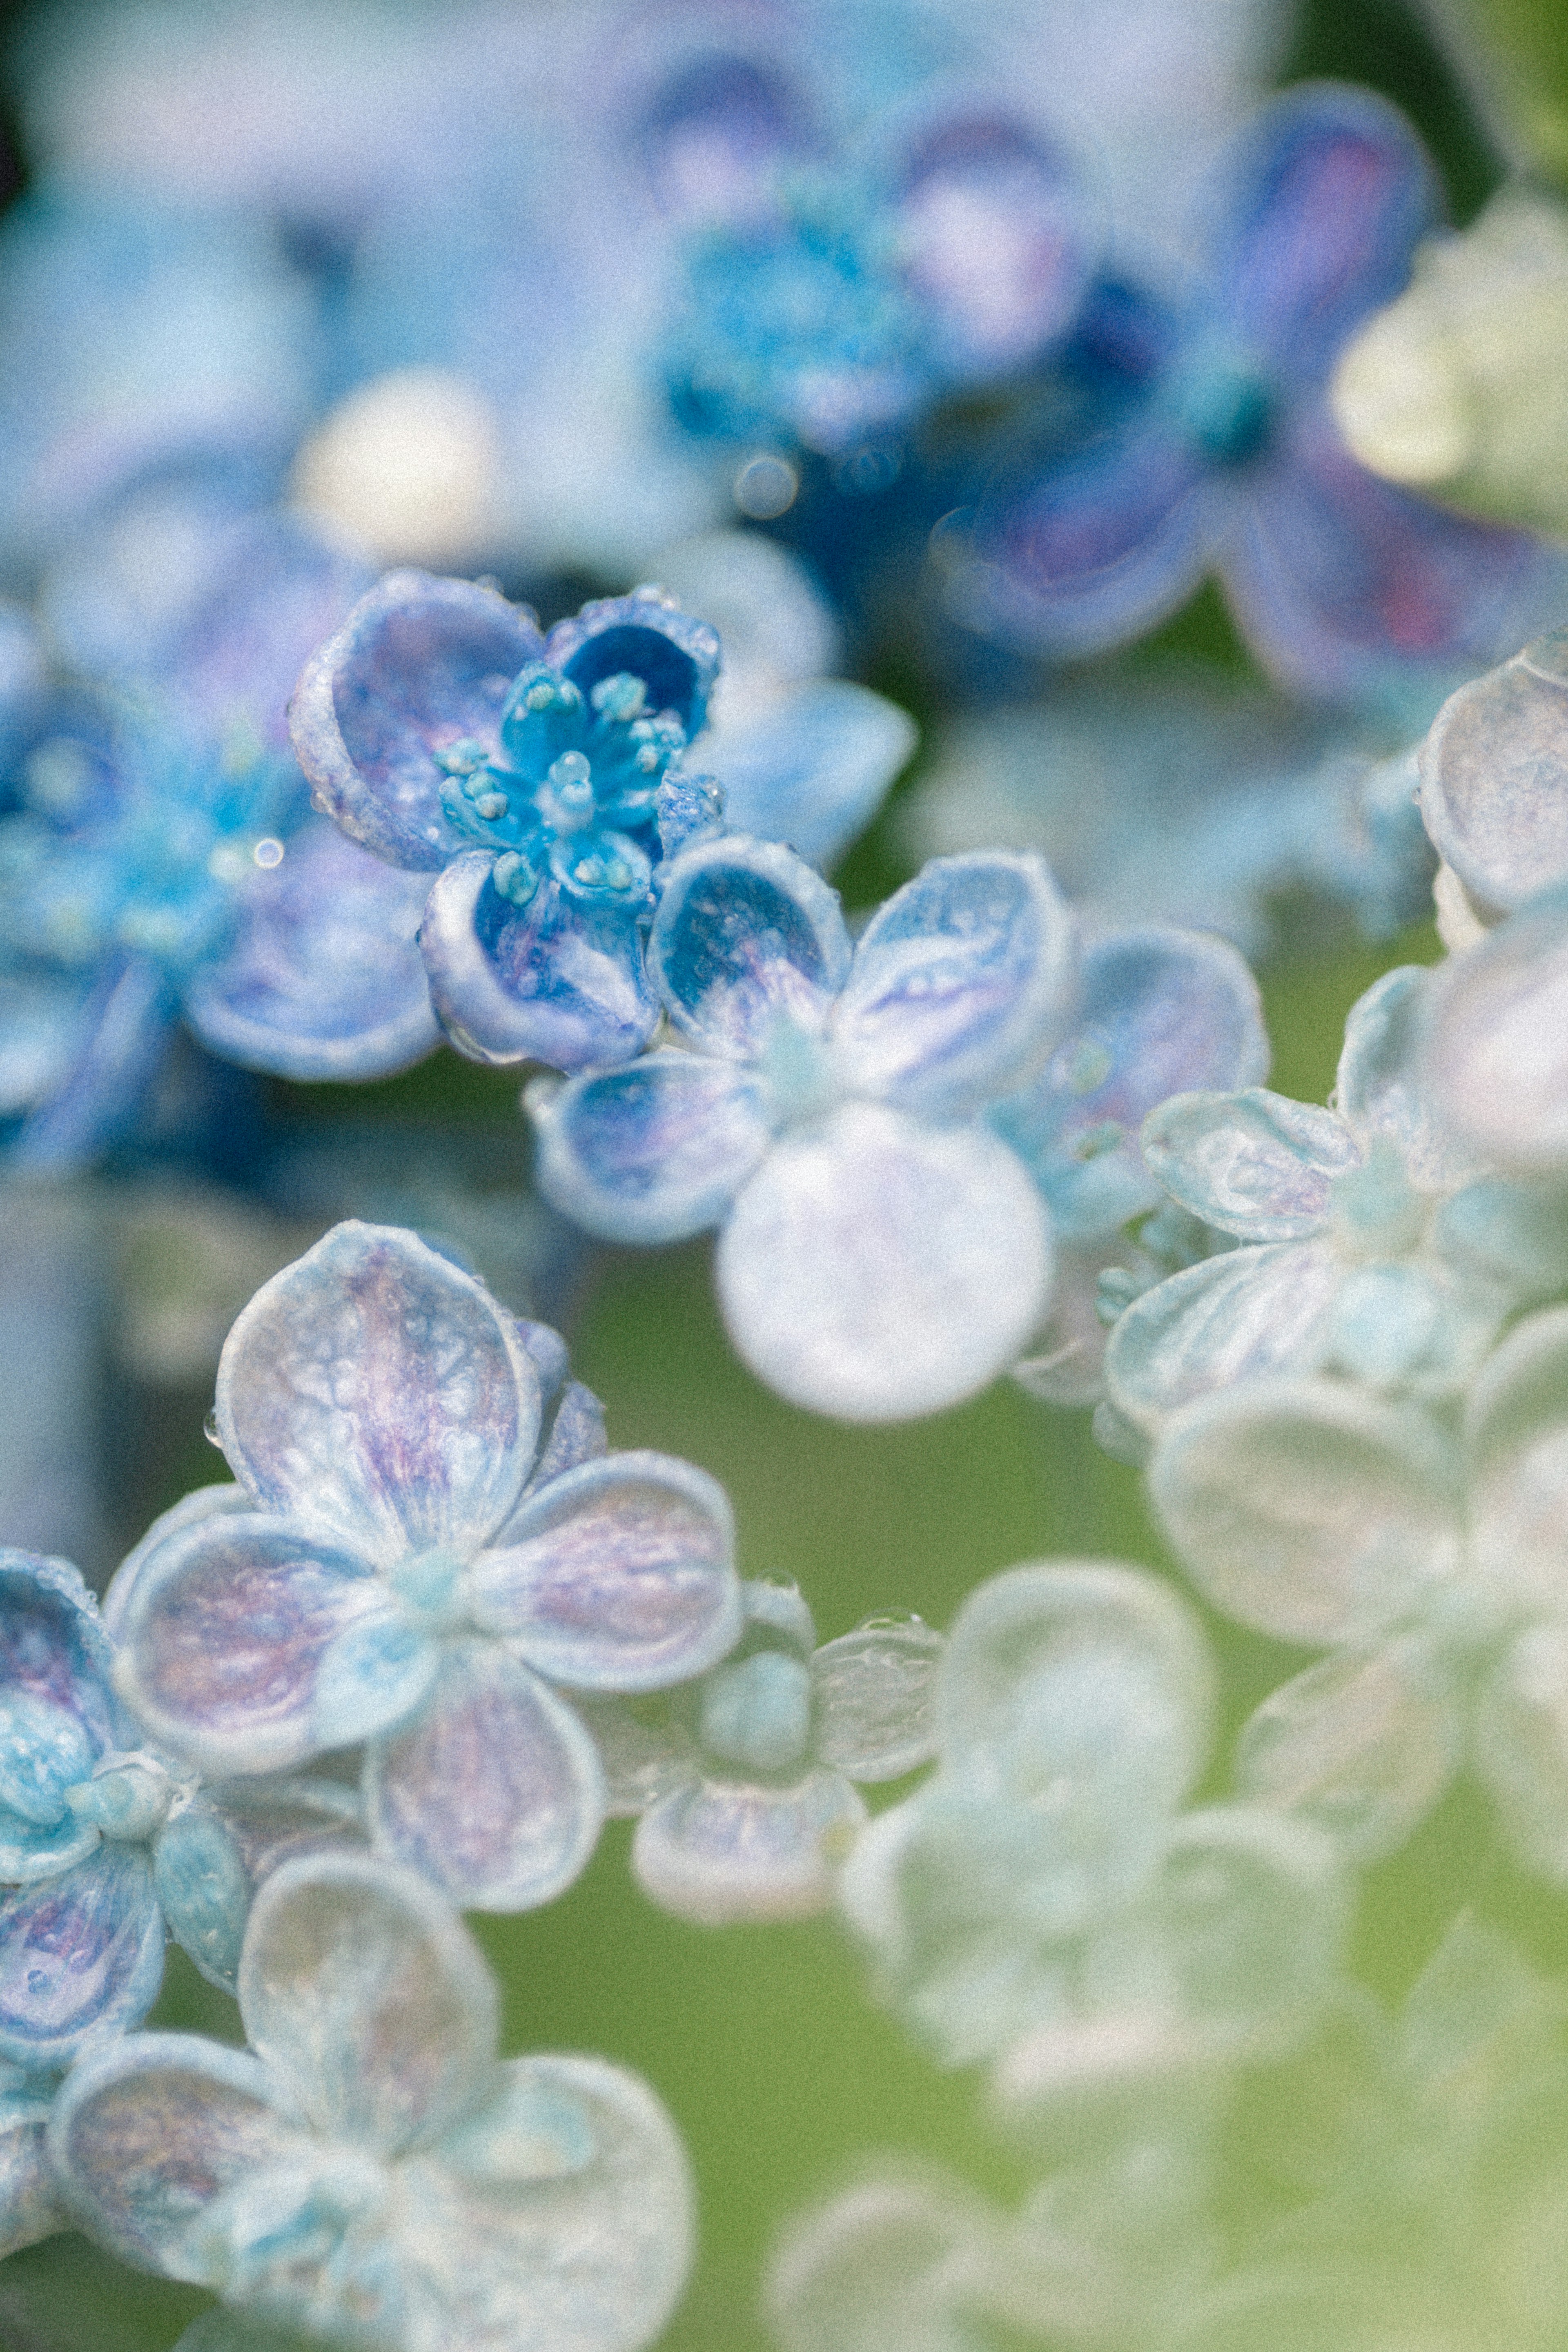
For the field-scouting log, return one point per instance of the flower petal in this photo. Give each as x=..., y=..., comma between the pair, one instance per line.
x=145, y=2133
x=1361, y=1745
x=116, y=1045
x=653, y=1152
x=209, y=1859
x=873, y=1268
x=420, y=663
x=381, y=1394
x=875, y=1693
x=559, y=980
x=884, y=2268
x=1494, y=778
x=1255, y=1164
x=367, y=2000
x=1065, y=1363
x=1309, y=1511
x=1520, y=1746
x=724, y=1852
x=1161, y=1013
x=224, y=1633
x=1499, y=1043
x=642, y=1761
x=813, y=769
x=1516, y=1432
x=204, y=1502
x=648, y=634
x=324, y=979
x=961, y=985
x=31, y=2204
x=577, y=1434
x=1381, y=1089
x=746, y=939
x=494, y=1792
x=55, y=1662
x=617, y=1576
x=80, y=1955
x=1241, y=1316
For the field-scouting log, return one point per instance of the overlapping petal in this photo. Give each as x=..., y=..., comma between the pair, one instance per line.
x=882, y=2269
x=54, y=1656
x=1255, y=1164
x=202, y=1503
x=1380, y=1088
x=1241, y=1316
x=645, y=634
x=718, y=1851
x=746, y=937
x=82, y=1954
x=653, y=1152
x=1520, y=1744
x=1494, y=778
x=1499, y=1046
x=1362, y=1744
x=1516, y=1429
x=812, y=770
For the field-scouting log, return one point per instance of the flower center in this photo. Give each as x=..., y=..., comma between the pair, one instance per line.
x=425, y=1583
x=1228, y=409
x=798, y=1068
x=128, y=1797
x=1375, y=1210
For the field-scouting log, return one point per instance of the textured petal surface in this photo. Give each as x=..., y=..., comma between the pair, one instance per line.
x=380, y=1394
x=1517, y=1438
x=1494, y=777
x=746, y=939
x=1255, y=1164
x=201, y=1503
x=1362, y=1744
x=419, y=664
x=494, y=1793
x=1238, y=1316
x=725, y=1852
x=148, y=2132
x=1161, y=1013
x=875, y=1699
x=366, y=2000
x=875, y=1269
x=558, y=980
x=1380, y=1088
x=961, y=985
x=617, y=1576
x=324, y=979
x=81, y=1955
x=54, y=1670
x=645, y=634
x=654, y=1152
x=1306, y=1510
x=1499, y=1064
x=814, y=769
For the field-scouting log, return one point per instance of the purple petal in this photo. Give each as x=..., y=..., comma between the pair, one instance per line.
x=146, y=2134
x=577, y=1434
x=711, y=135
x=419, y=664
x=961, y=985
x=324, y=979
x=676, y=655
x=79, y=1954
x=53, y=1649
x=653, y=1152
x=224, y=1633
x=380, y=1394
x=1494, y=778
x=1255, y=1164
x=202, y=1504
x=1333, y=192
x=494, y=1793
x=746, y=939
x=724, y=1853
x=366, y=2000
x=560, y=981
x=617, y=1576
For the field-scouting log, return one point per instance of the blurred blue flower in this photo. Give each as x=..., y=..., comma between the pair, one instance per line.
x=414, y=1559
x=368, y=2168
x=1216, y=447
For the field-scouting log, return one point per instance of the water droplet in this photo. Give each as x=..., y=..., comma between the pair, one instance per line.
x=765, y=488
x=268, y=851
x=209, y=1428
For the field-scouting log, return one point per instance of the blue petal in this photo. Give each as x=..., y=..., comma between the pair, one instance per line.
x=419, y=664
x=746, y=940
x=1255, y=1164
x=1161, y=1013
x=647, y=635
x=814, y=769
x=29, y=1853
x=495, y=1792
x=123, y=1030
x=961, y=985
x=79, y=1954
x=324, y=979
x=203, y=1891
x=417, y=1427
x=1494, y=778
x=54, y=1655
x=653, y=1152
x=45, y=1021
x=560, y=981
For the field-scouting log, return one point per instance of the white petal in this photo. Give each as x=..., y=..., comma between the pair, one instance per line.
x=1362, y=1744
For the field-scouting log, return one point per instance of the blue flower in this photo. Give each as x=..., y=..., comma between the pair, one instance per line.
x=414, y=1560
x=1220, y=451
x=882, y=1251
x=368, y=2167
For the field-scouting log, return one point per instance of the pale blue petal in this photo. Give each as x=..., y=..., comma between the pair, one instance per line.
x=494, y=1793
x=747, y=939
x=813, y=769
x=1241, y=1316
x=1405, y=1327
x=82, y=1954
x=380, y=1394
x=28, y=1853
x=875, y=1693
x=559, y=980
x=1497, y=1061
x=653, y=1152
x=1494, y=778
x=44, y=1023
x=373, y=1674
x=1381, y=1087
x=726, y=1851
x=148, y=2132
x=419, y=664
x=201, y=1504
x=1507, y=1236
x=647, y=635
x=121, y=1039
x=1161, y=1013
x=1309, y=1511
x=617, y=1576
x=1516, y=1436
x=1255, y=1164
x=577, y=1433
x=324, y=979
x=31, y=2204
x=961, y=983
x=203, y=1891
x=888, y=2266
x=367, y=2000
x=875, y=1268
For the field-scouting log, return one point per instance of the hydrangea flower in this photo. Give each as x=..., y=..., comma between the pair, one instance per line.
x=1494, y=790
x=745, y=1785
x=403, y=1563
x=1433, y=1571
x=106, y=1844
x=1374, y=1242
x=1221, y=450
x=1043, y=1902
x=882, y=1253
x=368, y=2168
